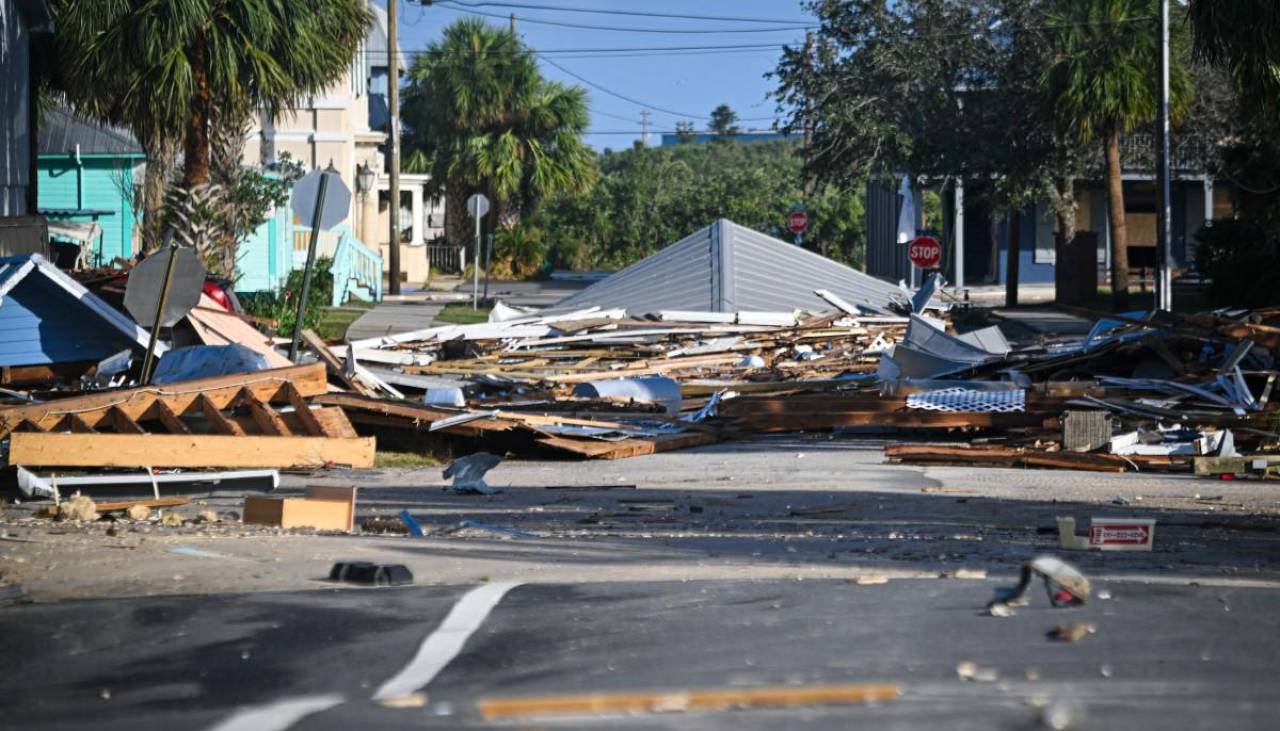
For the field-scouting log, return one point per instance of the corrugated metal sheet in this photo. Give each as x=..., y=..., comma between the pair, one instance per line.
x=885, y=256
x=726, y=267
x=61, y=131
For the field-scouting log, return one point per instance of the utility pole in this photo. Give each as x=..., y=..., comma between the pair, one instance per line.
x=644, y=127
x=1164, y=279
x=393, y=163
x=806, y=120
x=513, y=24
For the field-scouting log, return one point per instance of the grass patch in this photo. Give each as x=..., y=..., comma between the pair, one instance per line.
x=403, y=460
x=457, y=313
x=334, y=321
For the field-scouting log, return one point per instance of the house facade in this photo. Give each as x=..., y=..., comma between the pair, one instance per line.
x=976, y=238
x=89, y=172
x=347, y=126
x=20, y=22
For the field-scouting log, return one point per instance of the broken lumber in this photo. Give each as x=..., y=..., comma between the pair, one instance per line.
x=186, y=450
x=185, y=397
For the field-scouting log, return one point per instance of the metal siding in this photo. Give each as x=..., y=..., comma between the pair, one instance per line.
x=773, y=275
x=15, y=166
x=40, y=323
x=676, y=278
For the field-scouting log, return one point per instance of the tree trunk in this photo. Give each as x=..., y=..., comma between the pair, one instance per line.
x=195, y=147
x=160, y=154
x=1119, y=235
x=1063, y=241
x=458, y=226
x=1013, y=260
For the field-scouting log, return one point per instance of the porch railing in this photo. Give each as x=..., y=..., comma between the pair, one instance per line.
x=357, y=268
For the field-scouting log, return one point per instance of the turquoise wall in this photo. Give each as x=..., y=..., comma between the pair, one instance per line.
x=266, y=256
x=94, y=184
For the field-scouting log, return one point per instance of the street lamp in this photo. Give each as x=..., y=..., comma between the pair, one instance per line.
x=364, y=178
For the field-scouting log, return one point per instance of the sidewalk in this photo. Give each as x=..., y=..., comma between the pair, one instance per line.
x=414, y=310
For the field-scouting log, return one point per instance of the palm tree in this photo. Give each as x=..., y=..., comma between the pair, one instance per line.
x=1103, y=80
x=480, y=111
x=164, y=66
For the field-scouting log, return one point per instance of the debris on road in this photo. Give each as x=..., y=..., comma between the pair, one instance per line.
x=323, y=508
x=371, y=574
x=1073, y=631
x=1109, y=534
x=1065, y=585
x=468, y=473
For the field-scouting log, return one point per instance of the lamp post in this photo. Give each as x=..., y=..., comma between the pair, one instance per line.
x=365, y=180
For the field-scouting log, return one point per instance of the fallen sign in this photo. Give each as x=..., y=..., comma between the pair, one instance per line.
x=1109, y=534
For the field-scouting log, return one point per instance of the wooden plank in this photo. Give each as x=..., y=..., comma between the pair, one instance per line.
x=123, y=424
x=333, y=365
x=36, y=375
x=181, y=397
x=268, y=421
x=160, y=410
x=693, y=701
x=164, y=502
x=221, y=424
x=309, y=422
x=175, y=450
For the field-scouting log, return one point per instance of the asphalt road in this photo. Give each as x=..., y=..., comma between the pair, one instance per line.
x=1164, y=656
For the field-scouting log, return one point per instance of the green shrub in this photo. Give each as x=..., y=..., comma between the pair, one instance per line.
x=1241, y=265
x=282, y=308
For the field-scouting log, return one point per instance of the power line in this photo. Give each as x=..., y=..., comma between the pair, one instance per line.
x=616, y=49
x=622, y=29
x=637, y=102
x=637, y=13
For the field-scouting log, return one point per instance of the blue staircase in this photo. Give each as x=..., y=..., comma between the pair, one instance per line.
x=357, y=268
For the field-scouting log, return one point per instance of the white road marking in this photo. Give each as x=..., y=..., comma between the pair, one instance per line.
x=279, y=715
x=443, y=645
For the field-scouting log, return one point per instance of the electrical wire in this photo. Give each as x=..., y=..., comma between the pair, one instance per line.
x=622, y=29
x=637, y=102
x=637, y=13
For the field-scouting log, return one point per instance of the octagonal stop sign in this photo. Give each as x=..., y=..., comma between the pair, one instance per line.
x=925, y=252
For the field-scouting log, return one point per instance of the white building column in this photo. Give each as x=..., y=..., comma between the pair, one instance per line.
x=416, y=207
x=958, y=220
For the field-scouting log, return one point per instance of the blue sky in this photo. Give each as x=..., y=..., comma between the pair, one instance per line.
x=690, y=82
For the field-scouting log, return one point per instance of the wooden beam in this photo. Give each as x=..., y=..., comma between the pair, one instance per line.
x=171, y=421
x=308, y=420
x=336, y=367
x=266, y=386
x=268, y=421
x=123, y=424
x=221, y=424
x=175, y=450
x=74, y=424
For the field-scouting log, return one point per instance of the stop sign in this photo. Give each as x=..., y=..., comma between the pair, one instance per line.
x=797, y=221
x=925, y=252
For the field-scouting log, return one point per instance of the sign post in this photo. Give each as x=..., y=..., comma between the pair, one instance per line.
x=797, y=223
x=163, y=289
x=477, y=206
x=925, y=252
x=323, y=199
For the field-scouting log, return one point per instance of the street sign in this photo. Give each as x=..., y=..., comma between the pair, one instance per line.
x=334, y=206
x=797, y=222
x=925, y=252
x=142, y=293
x=477, y=205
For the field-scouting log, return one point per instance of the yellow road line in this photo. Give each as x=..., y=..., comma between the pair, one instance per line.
x=699, y=700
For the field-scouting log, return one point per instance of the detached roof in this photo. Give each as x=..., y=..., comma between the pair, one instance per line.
x=48, y=317
x=61, y=130
x=728, y=268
